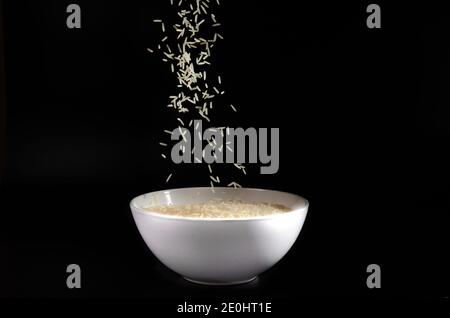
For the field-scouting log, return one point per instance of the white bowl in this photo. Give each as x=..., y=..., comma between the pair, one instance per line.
x=219, y=251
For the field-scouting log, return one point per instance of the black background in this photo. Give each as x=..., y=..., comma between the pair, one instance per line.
x=364, y=123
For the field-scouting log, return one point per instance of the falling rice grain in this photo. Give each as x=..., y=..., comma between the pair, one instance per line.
x=182, y=123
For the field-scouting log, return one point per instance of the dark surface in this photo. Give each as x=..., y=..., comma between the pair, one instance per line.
x=364, y=122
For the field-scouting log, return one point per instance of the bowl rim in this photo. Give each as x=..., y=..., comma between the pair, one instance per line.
x=135, y=208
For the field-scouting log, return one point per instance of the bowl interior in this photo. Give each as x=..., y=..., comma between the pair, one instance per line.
x=143, y=202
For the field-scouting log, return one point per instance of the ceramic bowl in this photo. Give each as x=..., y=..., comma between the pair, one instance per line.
x=219, y=251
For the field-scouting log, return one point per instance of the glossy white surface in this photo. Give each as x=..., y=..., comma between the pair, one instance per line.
x=219, y=251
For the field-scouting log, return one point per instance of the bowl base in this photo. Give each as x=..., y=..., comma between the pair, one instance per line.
x=220, y=284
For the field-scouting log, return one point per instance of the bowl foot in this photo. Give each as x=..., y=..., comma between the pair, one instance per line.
x=220, y=284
